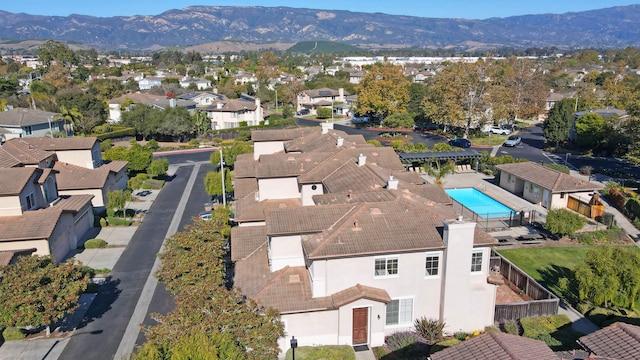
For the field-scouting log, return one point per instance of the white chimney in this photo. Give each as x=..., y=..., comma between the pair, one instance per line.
x=326, y=126
x=392, y=184
x=362, y=159
x=341, y=94
x=339, y=141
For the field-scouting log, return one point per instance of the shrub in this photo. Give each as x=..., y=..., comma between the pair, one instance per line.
x=400, y=120
x=563, y=222
x=152, y=145
x=95, y=244
x=402, y=339
x=608, y=236
x=324, y=113
x=12, y=334
x=461, y=335
x=137, y=181
x=632, y=208
x=430, y=329
x=559, y=167
x=103, y=222
x=510, y=327
x=158, y=167
x=583, y=307
x=194, y=142
x=563, y=284
x=586, y=170
x=105, y=145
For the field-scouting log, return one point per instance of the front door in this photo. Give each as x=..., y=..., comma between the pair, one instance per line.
x=545, y=198
x=360, y=323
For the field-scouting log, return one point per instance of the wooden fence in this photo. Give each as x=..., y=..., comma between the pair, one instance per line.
x=544, y=302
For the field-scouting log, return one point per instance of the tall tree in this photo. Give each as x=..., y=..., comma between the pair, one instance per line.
x=458, y=95
x=557, y=126
x=383, y=91
x=36, y=292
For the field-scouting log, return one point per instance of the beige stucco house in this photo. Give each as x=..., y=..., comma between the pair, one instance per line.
x=544, y=186
x=21, y=122
x=348, y=246
x=325, y=97
x=34, y=216
x=49, y=188
x=226, y=113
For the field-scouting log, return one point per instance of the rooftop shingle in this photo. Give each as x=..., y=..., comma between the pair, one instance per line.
x=497, y=346
x=617, y=341
x=548, y=178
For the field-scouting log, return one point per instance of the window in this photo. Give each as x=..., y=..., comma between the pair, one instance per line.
x=386, y=266
x=476, y=261
x=431, y=264
x=30, y=201
x=399, y=311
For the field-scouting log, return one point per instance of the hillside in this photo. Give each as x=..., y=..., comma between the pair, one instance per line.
x=615, y=27
x=322, y=47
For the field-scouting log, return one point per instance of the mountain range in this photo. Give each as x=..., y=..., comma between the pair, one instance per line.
x=615, y=27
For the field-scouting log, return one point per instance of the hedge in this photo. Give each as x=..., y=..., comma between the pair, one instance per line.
x=116, y=134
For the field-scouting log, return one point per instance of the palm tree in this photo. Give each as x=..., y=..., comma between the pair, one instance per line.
x=439, y=171
x=73, y=116
x=202, y=122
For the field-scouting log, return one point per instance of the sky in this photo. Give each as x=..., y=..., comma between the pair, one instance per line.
x=466, y=9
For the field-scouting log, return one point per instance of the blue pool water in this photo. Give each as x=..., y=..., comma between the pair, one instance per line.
x=481, y=204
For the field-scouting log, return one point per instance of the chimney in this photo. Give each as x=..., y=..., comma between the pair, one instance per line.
x=172, y=102
x=326, y=126
x=341, y=94
x=362, y=159
x=339, y=141
x=392, y=184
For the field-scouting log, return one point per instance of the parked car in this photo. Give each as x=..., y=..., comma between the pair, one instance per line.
x=460, y=142
x=303, y=112
x=499, y=130
x=513, y=140
x=205, y=215
x=360, y=120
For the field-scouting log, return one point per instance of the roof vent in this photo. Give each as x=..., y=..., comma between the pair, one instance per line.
x=339, y=141
x=392, y=184
x=460, y=218
x=294, y=279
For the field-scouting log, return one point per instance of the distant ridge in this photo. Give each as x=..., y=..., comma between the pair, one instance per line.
x=615, y=27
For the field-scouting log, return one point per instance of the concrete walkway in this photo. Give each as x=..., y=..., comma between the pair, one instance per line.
x=365, y=355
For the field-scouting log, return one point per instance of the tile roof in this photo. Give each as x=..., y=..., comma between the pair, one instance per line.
x=73, y=203
x=353, y=198
x=244, y=186
x=61, y=144
x=283, y=134
x=73, y=177
x=231, y=105
x=15, y=179
x=26, y=153
x=547, y=178
x=306, y=219
x=19, y=117
x=618, y=341
x=31, y=225
x=288, y=165
x=7, y=160
x=497, y=346
x=245, y=240
x=318, y=142
x=374, y=228
x=359, y=291
x=323, y=92
x=248, y=209
x=244, y=166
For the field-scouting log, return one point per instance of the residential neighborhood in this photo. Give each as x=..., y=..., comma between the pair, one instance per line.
x=270, y=204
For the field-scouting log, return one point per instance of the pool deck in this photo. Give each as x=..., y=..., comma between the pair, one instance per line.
x=482, y=182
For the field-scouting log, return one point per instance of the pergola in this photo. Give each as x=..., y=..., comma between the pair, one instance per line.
x=420, y=158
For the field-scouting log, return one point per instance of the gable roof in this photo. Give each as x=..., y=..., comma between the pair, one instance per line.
x=497, y=346
x=31, y=225
x=323, y=92
x=547, y=178
x=617, y=341
x=283, y=134
x=21, y=150
x=19, y=117
x=15, y=179
x=61, y=144
x=73, y=177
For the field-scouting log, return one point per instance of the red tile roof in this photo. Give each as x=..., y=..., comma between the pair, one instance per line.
x=26, y=153
x=618, y=341
x=495, y=345
x=73, y=177
x=61, y=144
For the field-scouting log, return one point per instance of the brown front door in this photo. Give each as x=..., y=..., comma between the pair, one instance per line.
x=360, y=322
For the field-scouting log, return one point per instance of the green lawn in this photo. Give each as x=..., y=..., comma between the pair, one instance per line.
x=549, y=264
x=338, y=352
x=489, y=140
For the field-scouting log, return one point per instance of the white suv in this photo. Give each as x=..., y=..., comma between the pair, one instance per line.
x=498, y=130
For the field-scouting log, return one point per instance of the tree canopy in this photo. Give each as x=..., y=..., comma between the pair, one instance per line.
x=383, y=91
x=559, y=120
x=36, y=292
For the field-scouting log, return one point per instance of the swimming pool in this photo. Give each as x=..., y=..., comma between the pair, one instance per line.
x=480, y=203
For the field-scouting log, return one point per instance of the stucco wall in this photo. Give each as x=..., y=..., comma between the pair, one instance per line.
x=278, y=188
x=313, y=328
x=308, y=192
x=83, y=158
x=97, y=201
x=41, y=246
x=10, y=206
x=267, y=148
x=285, y=251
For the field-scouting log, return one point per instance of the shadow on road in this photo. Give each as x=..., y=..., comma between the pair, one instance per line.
x=107, y=295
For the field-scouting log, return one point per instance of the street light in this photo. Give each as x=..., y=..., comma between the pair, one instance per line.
x=294, y=345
